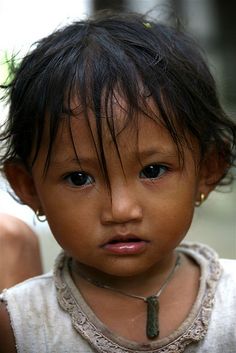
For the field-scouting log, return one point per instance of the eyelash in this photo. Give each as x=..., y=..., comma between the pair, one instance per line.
x=157, y=169
x=82, y=179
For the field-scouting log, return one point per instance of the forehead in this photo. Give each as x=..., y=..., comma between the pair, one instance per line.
x=116, y=131
x=80, y=137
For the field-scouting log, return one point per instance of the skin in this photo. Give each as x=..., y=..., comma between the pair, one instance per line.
x=19, y=249
x=152, y=198
x=158, y=210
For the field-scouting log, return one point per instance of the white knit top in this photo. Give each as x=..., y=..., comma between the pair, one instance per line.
x=49, y=315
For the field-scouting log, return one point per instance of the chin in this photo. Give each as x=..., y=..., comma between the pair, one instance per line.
x=126, y=270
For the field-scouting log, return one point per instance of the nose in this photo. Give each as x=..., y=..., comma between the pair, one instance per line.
x=122, y=206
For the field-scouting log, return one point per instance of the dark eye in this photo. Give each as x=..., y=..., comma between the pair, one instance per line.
x=153, y=171
x=79, y=179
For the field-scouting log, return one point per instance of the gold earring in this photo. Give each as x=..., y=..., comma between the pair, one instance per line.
x=202, y=199
x=40, y=217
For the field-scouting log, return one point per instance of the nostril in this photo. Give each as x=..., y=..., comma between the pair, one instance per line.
x=122, y=210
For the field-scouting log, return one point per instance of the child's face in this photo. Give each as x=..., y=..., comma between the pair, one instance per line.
x=147, y=212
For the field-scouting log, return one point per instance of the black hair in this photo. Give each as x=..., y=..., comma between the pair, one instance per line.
x=94, y=59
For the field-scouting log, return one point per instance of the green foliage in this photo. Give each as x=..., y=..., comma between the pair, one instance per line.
x=8, y=66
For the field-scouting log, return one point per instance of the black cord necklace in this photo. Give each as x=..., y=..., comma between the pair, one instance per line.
x=152, y=326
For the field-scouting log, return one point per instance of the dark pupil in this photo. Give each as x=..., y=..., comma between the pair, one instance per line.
x=78, y=178
x=152, y=171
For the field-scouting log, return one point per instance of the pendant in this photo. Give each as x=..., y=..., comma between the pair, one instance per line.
x=152, y=328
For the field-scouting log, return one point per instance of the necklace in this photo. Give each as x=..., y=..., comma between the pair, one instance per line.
x=152, y=301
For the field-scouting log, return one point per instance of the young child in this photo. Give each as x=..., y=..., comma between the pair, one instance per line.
x=115, y=134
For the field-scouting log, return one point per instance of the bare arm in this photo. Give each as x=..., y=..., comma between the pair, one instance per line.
x=19, y=252
x=7, y=340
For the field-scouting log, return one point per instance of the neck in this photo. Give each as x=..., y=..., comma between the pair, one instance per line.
x=142, y=284
x=152, y=300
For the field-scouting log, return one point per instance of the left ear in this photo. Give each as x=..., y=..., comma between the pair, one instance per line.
x=212, y=168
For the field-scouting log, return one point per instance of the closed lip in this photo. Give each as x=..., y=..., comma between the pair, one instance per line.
x=125, y=245
x=124, y=238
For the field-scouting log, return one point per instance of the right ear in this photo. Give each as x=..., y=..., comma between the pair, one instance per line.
x=22, y=183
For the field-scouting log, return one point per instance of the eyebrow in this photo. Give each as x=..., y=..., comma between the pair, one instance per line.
x=154, y=151
x=142, y=154
x=74, y=161
x=137, y=154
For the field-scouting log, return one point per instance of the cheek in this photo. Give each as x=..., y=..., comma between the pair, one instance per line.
x=73, y=236
x=70, y=222
x=172, y=215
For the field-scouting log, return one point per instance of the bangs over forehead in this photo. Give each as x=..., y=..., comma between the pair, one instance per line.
x=92, y=61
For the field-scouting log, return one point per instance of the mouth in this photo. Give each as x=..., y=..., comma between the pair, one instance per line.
x=125, y=245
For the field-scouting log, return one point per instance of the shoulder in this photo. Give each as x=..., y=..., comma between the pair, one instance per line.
x=223, y=271
x=229, y=266
x=7, y=340
x=221, y=331
x=32, y=294
x=21, y=298
x=218, y=277
x=23, y=311
x=227, y=283
x=38, y=321
x=31, y=287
